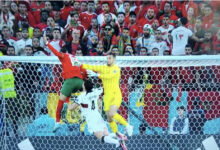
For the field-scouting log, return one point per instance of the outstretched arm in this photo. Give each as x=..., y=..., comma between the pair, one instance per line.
x=56, y=53
x=73, y=106
x=96, y=68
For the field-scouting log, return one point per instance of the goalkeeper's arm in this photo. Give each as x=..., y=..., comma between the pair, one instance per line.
x=96, y=68
x=72, y=106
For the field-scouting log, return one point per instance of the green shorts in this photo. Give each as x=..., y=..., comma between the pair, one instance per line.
x=71, y=86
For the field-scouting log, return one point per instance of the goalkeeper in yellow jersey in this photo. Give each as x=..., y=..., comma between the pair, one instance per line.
x=110, y=75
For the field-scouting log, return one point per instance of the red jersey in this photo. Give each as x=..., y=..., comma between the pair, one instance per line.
x=70, y=70
x=69, y=33
x=29, y=17
x=85, y=18
x=216, y=44
x=65, y=11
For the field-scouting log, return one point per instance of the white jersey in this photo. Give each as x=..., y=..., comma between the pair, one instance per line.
x=89, y=110
x=89, y=101
x=162, y=46
x=145, y=42
x=165, y=31
x=180, y=39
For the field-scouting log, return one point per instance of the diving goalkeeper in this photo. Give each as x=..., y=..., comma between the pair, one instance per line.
x=73, y=75
x=110, y=75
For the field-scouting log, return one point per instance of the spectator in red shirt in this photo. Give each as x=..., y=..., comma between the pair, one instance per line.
x=43, y=21
x=36, y=9
x=126, y=6
x=134, y=28
x=36, y=5
x=73, y=24
x=49, y=8
x=67, y=8
x=93, y=30
x=186, y=5
x=24, y=16
x=105, y=9
x=175, y=6
x=206, y=46
x=86, y=17
x=167, y=11
x=142, y=10
x=83, y=6
x=121, y=20
x=57, y=17
x=216, y=42
x=149, y=18
x=76, y=43
x=199, y=32
x=191, y=16
x=208, y=19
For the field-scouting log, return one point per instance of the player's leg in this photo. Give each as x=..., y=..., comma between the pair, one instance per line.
x=107, y=138
x=113, y=115
x=69, y=86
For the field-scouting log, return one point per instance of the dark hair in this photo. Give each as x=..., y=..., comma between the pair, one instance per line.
x=166, y=15
x=57, y=30
x=11, y=47
x=28, y=46
x=64, y=49
x=187, y=45
x=121, y=13
x=112, y=54
x=72, y=13
x=132, y=13
x=115, y=46
x=183, y=20
x=181, y=107
x=105, y=2
x=44, y=10
x=125, y=28
x=88, y=86
x=144, y=48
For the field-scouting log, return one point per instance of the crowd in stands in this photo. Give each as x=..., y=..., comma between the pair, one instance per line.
x=96, y=27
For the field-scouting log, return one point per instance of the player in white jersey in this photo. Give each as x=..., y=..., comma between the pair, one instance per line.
x=180, y=37
x=88, y=100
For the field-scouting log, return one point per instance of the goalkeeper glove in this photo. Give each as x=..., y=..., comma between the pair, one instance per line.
x=91, y=73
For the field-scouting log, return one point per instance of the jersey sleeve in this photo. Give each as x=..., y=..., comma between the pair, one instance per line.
x=114, y=74
x=56, y=53
x=99, y=91
x=96, y=68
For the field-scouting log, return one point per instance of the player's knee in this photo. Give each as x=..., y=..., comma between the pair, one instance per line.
x=111, y=115
x=62, y=97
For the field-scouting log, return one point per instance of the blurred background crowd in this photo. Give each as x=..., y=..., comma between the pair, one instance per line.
x=96, y=27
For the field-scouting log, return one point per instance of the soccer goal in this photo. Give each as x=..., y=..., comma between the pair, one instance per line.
x=172, y=102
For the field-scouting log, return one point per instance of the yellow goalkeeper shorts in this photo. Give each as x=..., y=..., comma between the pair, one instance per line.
x=112, y=99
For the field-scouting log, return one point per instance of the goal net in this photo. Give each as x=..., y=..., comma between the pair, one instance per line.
x=172, y=102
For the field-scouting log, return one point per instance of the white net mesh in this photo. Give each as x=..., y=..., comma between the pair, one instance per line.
x=157, y=92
